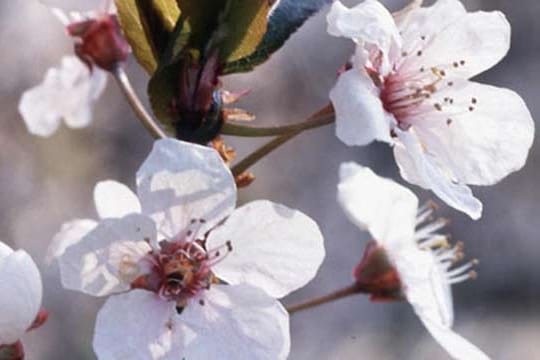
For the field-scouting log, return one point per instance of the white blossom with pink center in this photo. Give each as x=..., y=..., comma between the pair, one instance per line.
x=191, y=276
x=21, y=293
x=67, y=93
x=420, y=260
x=408, y=85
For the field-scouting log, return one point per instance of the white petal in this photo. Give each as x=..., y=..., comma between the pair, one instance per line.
x=429, y=21
x=484, y=145
x=237, y=322
x=428, y=291
x=274, y=248
x=360, y=116
x=115, y=200
x=381, y=206
x=21, y=293
x=180, y=181
x=367, y=23
x=67, y=92
x=4, y=250
x=425, y=285
x=138, y=325
x=420, y=167
x=480, y=39
x=70, y=233
x=105, y=260
x=457, y=346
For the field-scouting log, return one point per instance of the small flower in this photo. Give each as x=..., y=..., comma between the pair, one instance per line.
x=408, y=258
x=194, y=277
x=20, y=300
x=408, y=85
x=69, y=92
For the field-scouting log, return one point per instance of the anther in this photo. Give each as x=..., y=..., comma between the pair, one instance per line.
x=462, y=62
x=448, y=122
x=438, y=107
x=474, y=101
x=419, y=53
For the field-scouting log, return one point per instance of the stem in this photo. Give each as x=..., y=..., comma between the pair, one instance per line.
x=322, y=117
x=146, y=119
x=336, y=295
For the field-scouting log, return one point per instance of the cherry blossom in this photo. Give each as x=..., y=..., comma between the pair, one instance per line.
x=190, y=276
x=20, y=302
x=408, y=258
x=408, y=85
x=68, y=92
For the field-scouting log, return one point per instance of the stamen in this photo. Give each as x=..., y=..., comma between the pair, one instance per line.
x=435, y=242
x=431, y=228
x=217, y=255
x=469, y=276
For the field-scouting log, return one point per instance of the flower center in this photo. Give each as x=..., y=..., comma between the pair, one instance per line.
x=413, y=89
x=182, y=268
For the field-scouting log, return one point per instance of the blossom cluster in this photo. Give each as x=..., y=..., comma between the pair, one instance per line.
x=189, y=274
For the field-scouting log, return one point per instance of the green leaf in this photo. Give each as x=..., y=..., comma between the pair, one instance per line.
x=161, y=89
x=288, y=17
x=202, y=17
x=243, y=28
x=147, y=26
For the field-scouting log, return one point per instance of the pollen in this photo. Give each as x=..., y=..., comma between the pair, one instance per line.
x=182, y=267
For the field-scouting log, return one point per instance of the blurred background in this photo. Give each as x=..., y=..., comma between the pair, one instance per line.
x=44, y=182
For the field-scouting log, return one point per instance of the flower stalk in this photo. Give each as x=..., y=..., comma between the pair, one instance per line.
x=353, y=289
x=129, y=93
x=322, y=117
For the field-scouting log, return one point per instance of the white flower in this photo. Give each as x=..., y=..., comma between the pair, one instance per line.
x=408, y=86
x=67, y=93
x=194, y=277
x=21, y=292
x=407, y=258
